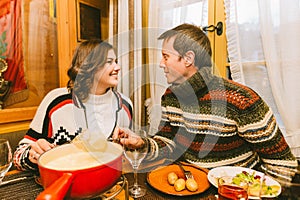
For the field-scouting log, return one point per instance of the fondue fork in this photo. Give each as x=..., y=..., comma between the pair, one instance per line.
x=16, y=180
x=187, y=173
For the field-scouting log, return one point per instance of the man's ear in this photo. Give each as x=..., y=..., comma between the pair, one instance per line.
x=189, y=58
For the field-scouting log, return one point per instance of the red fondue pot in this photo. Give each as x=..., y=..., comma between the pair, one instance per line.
x=84, y=182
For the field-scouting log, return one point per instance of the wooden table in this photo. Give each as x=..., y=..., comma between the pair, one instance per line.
x=28, y=188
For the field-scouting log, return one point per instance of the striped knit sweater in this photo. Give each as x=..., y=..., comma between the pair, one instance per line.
x=210, y=121
x=61, y=117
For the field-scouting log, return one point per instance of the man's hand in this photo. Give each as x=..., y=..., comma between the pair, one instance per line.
x=128, y=138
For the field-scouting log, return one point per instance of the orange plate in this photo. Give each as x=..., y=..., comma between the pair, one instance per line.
x=158, y=179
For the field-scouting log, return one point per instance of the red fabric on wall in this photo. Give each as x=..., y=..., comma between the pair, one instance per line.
x=11, y=39
x=4, y=7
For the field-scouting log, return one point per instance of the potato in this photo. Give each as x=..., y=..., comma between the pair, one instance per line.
x=172, y=177
x=191, y=185
x=179, y=185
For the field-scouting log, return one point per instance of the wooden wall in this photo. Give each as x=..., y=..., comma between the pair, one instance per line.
x=67, y=30
x=49, y=43
x=40, y=52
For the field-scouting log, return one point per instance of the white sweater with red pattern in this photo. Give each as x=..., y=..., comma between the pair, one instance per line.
x=61, y=116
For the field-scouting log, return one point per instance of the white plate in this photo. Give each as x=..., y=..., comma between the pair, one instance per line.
x=232, y=171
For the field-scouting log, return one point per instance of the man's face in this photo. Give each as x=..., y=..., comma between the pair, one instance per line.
x=172, y=63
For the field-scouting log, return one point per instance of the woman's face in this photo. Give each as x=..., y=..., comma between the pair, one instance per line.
x=107, y=76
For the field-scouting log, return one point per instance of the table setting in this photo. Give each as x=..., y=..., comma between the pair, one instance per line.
x=25, y=185
x=127, y=175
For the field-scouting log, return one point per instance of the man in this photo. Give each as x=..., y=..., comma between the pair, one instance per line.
x=211, y=121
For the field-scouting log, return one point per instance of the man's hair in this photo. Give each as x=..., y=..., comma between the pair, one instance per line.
x=88, y=58
x=190, y=38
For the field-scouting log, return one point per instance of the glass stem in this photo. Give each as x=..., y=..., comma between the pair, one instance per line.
x=135, y=176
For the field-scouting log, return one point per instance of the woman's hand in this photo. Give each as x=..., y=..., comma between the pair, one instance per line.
x=37, y=148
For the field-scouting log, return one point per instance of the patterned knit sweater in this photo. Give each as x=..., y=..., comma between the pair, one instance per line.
x=61, y=117
x=210, y=121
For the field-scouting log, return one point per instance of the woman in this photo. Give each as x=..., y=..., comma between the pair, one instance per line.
x=87, y=103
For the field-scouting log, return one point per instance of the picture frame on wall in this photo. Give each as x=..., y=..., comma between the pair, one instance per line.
x=88, y=21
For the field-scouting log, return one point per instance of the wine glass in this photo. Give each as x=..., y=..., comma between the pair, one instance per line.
x=135, y=155
x=228, y=189
x=5, y=158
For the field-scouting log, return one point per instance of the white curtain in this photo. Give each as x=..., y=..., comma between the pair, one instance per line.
x=129, y=74
x=163, y=15
x=264, y=54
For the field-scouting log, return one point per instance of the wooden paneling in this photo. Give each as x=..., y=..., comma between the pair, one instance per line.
x=67, y=41
x=17, y=114
x=39, y=35
x=218, y=42
x=67, y=31
x=49, y=45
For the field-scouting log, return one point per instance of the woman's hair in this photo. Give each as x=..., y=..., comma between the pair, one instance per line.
x=191, y=38
x=89, y=56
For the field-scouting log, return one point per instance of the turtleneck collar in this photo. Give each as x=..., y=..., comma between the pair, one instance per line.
x=100, y=99
x=197, y=82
